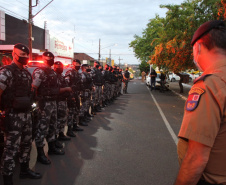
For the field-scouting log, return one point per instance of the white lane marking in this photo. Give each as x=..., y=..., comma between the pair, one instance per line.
x=173, y=135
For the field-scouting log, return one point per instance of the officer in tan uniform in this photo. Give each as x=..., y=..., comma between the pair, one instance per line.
x=202, y=137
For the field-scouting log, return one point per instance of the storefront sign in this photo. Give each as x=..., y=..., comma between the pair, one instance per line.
x=61, y=48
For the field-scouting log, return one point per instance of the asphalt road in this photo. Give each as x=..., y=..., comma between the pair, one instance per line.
x=131, y=142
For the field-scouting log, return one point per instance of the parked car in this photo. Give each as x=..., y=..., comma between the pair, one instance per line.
x=191, y=77
x=158, y=80
x=148, y=79
x=196, y=75
x=173, y=77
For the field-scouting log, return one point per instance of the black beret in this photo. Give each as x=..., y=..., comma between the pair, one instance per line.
x=22, y=47
x=77, y=60
x=48, y=54
x=205, y=28
x=58, y=63
x=85, y=65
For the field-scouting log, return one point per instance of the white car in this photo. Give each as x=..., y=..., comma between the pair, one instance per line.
x=158, y=80
x=148, y=80
x=173, y=77
x=191, y=77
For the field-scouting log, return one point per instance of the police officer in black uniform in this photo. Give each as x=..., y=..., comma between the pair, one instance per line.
x=97, y=80
x=73, y=78
x=16, y=99
x=47, y=88
x=62, y=109
x=87, y=86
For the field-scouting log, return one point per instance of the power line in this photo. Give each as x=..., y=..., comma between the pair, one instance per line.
x=13, y=12
x=111, y=54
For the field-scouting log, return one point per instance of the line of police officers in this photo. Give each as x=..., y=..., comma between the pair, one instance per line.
x=70, y=99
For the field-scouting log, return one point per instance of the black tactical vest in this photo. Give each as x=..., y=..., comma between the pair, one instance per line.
x=126, y=74
x=89, y=82
x=18, y=95
x=97, y=80
x=75, y=80
x=63, y=84
x=49, y=87
x=107, y=76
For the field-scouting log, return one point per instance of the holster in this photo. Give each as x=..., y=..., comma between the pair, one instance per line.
x=21, y=103
x=202, y=182
x=3, y=123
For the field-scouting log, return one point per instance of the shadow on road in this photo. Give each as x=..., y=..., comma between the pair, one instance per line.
x=65, y=169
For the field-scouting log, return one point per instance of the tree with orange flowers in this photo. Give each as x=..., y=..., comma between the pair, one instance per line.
x=166, y=41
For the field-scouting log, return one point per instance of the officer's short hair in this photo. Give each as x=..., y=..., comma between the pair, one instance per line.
x=77, y=60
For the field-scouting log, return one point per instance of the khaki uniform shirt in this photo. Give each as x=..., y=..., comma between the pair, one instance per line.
x=205, y=121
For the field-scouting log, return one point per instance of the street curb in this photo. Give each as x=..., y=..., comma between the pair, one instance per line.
x=183, y=97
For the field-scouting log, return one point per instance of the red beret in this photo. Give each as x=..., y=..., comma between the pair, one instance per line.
x=205, y=28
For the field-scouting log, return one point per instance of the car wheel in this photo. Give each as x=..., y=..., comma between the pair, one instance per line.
x=173, y=80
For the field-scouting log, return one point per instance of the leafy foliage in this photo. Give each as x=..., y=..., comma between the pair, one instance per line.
x=166, y=41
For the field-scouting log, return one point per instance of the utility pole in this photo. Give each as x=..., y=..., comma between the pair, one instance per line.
x=119, y=60
x=30, y=22
x=110, y=57
x=30, y=29
x=99, y=51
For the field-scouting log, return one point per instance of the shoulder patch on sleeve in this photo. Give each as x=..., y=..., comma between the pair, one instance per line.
x=193, y=98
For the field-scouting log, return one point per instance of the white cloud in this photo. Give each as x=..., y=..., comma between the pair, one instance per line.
x=115, y=21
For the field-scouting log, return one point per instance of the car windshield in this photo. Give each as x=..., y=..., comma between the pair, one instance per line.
x=31, y=69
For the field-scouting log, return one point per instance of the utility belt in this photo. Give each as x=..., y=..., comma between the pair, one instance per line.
x=2, y=122
x=87, y=90
x=47, y=98
x=61, y=99
x=19, y=104
x=202, y=182
x=98, y=84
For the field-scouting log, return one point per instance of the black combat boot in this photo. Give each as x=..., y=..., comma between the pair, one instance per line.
x=97, y=109
x=26, y=172
x=82, y=121
x=58, y=144
x=42, y=157
x=77, y=128
x=53, y=150
x=106, y=103
x=62, y=137
x=103, y=104
x=70, y=132
x=86, y=118
x=93, y=110
x=89, y=115
x=8, y=179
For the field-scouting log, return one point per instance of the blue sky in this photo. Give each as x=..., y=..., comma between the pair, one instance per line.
x=115, y=22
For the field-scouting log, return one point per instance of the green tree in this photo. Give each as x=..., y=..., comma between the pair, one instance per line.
x=144, y=66
x=166, y=41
